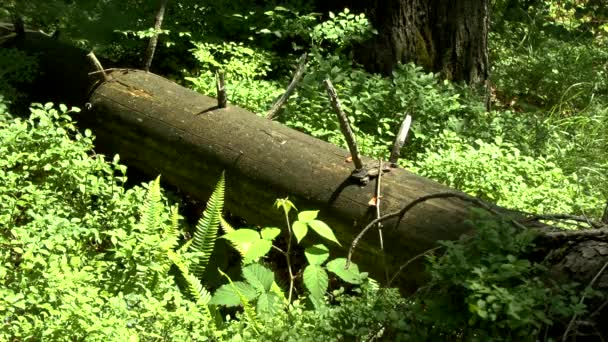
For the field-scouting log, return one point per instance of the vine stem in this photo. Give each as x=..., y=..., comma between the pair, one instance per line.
x=288, y=257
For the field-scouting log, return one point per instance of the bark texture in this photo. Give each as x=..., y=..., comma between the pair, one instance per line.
x=446, y=36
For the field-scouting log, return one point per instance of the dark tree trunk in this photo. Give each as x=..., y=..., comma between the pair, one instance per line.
x=446, y=36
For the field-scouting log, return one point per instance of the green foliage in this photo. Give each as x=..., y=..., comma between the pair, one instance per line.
x=485, y=287
x=75, y=256
x=259, y=284
x=243, y=67
x=500, y=173
x=16, y=68
x=206, y=229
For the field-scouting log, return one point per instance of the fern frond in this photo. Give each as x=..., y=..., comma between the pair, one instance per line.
x=195, y=289
x=226, y=227
x=247, y=308
x=172, y=232
x=152, y=207
x=206, y=229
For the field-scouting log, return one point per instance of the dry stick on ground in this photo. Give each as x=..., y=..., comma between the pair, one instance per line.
x=292, y=86
x=415, y=202
x=222, y=98
x=97, y=65
x=599, y=273
x=344, y=125
x=158, y=21
x=378, y=195
x=400, y=140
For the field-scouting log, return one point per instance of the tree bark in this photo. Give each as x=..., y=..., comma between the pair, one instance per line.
x=446, y=36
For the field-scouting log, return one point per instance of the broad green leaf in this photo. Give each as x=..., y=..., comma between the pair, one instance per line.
x=243, y=238
x=256, y=250
x=317, y=254
x=350, y=275
x=227, y=296
x=270, y=233
x=307, y=216
x=316, y=280
x=258, y=276
x=299, y=230
x=323, y=229
x=268, y=303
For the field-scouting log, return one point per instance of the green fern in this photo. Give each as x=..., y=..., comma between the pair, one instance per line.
x=151, y=219
x=206, y=229
x=152, y=207
x=247, y=308
x=196, y=290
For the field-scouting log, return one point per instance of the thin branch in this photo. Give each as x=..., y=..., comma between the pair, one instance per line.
x=605, y=215
x=111, y=69
x=344, y=125
x=400, y=140
x=222, y=98
x=297, y=77
x=556, y=217
x=279, y=250
x=380, y=236
x=412, y=204
x=599, y=273
x=158, y=21
x=407, y=263
x=97, y=65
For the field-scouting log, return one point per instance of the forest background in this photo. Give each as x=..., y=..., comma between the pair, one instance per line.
x=103, y=267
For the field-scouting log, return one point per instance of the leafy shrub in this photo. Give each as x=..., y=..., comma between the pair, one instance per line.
x=484, y=287
x=75, y=259
x=500, y=173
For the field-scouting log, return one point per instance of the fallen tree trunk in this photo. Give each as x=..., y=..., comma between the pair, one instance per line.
x=160, y=127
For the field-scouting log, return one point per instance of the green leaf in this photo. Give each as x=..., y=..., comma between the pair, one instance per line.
x=256, y=250
x=323, y=229
x=268, y=303
x=285, y=203
x=258, y=276
x=270, y=233
x=227, y=295
x=350, y=275
x=307, y=216
x=299, y=230
x=243, y=238
x=316, y=280
x=317, y=254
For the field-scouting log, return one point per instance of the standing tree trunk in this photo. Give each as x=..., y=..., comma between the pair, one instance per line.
x=446, y=36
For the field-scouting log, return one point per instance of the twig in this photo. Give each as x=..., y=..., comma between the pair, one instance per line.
x=288, y=257
x=222, y=98
x=400, y=140
x=158, y=21
x=605, y=215
x=407, y=263
x=412, y=204
x=111, y=69
x=292, y=86
x=378, y=188
x=344, y=125
x=95, y=62
x=556, y=217
x=599, y=273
